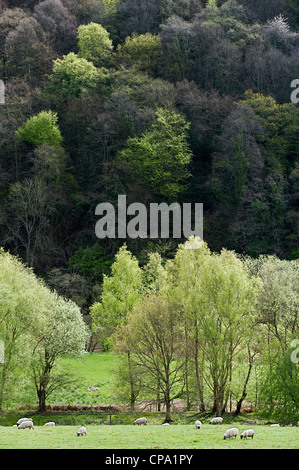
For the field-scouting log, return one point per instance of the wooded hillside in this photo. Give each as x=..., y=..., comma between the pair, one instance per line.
x=102, y=95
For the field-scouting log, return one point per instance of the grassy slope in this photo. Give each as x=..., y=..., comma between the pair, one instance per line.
x=147, y=437
x=93, y=370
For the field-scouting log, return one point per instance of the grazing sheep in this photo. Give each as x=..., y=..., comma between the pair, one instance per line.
x=165, y=424
x=26, y=424
x=21, y=420
x=247, y=433
x=50, y=423
x=140, y=421
x=217, y=420
x=14, y=425
x=232, y=432
x=275, y=425
x=198, y=424
x=81, y=431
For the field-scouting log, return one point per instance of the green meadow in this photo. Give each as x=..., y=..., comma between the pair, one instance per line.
x=147, y=437
x=96, y=370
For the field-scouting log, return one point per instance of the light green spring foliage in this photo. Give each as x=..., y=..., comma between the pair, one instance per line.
x=94, y=43
x=155, y=275
x=217, y=303
x=143, y=50
x=278, y=304
x=161, y=156
x=33, y=319
x=212, y=4
x=24, y=298
x=121, y=291
x=211, y=10
x=217, y=289
x=155, y=337
x=217, y=298
x=41, y=129
x=23, y=314
x=72, y=75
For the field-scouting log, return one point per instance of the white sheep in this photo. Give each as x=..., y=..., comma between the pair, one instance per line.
x=247, y=433
x=275, y=425
x=21, y=420
x=50, y=423
x=165, y=424
x=140, y=421
x=232, y=432
x=26, y=424
x=198, y=424
x=81, y=431
x=217, y=420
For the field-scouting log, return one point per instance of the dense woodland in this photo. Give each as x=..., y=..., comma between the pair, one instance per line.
x=163, y=101
x=208, y=82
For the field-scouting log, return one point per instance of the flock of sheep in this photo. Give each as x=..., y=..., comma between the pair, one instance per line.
x=232, y=432
x=27, y=423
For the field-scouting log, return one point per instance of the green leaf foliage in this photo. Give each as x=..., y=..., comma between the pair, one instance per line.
x=41, y=129
x=94, y=43
x=72, y=75
x=161, y=157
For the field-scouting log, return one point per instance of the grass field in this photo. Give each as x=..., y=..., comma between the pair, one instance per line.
x=147, y=437
x=95, y=370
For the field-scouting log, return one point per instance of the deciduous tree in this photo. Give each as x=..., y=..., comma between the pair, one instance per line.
x=94, y=44
x=41, y=129
x=58, y=23
x=161, y=157
x=64, y=333
x=72, y=75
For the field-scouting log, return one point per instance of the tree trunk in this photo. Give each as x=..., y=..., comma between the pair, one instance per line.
x=218, y=400
x=244, y=393
x=42, y=381
x=167, y=399
x=188, y=404
x=132, y=385
x=168, y=411
x=198, y=381
x=41, y=400
x=158, y=395
x=229, y=382
x=2, y=384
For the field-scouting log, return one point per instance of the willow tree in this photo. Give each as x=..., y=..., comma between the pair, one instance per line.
x=185, y=273
x=218, y=298
x=278, y=306
x=121, y=291
x=36, y=327
x=24, y=303
x=228, y=306
x=279, y=299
